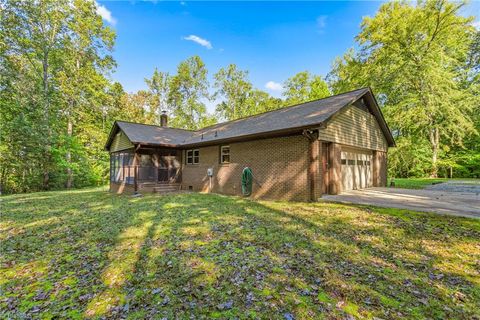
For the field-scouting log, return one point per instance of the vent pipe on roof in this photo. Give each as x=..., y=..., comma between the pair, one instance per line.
x=164, y=119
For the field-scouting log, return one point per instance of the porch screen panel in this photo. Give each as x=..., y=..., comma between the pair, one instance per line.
x=112, y=167
x=121, y=167
x=129, y=176
x=146, y=169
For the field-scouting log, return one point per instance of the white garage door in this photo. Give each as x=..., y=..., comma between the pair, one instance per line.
x=356, y=169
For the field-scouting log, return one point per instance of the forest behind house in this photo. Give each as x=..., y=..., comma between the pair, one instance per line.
x=58, y=101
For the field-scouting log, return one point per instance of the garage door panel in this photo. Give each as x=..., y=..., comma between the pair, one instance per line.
x=356, y=169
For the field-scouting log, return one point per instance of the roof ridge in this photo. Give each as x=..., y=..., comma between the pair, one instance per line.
x=246, y=117
x=154, y=125
x=283, y=108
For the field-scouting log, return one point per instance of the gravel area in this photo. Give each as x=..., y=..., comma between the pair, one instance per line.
x=469, y=186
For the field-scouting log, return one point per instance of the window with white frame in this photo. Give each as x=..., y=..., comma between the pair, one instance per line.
x=224, y=154
x=192, y=156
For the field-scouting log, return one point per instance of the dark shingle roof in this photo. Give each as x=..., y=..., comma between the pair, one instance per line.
x=155, y=135
x=298, y=117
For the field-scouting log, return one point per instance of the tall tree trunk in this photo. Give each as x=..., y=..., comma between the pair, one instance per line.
x=46, y=159
x=3, y=178
x=68, y=156
x=435, y=143
x=24, y=185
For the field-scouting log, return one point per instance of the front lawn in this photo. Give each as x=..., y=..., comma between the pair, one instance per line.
x=88, y=253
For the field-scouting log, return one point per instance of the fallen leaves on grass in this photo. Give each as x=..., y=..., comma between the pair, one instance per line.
x=92, y=254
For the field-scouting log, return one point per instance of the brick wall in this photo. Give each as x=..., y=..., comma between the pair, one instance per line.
x=279, y=165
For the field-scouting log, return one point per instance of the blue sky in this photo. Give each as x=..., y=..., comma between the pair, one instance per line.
x=272, y=40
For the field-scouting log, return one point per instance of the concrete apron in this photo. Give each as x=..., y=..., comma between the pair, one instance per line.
x=464, y=204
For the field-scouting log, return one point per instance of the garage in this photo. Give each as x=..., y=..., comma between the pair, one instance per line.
x=356, y=169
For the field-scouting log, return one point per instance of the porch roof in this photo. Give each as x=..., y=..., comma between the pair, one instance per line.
x=153, y=135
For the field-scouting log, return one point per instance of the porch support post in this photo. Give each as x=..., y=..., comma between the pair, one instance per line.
x=156, y=160
x=135, y=169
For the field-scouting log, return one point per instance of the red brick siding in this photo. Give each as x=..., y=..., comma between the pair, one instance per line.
x=279, y=165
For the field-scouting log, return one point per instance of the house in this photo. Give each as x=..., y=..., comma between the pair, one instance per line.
x=300, y=152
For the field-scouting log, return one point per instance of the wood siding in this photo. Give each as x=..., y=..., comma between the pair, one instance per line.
x=354, y=127
x=120, y=142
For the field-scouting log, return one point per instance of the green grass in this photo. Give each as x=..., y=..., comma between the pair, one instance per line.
x=416, y=183
x=88, y=253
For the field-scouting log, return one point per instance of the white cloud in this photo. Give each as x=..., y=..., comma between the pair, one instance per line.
x=203, y=42
x=321, y=23
x=274, y=86
x=183, y=3
x=476, y=24
x=105, y=14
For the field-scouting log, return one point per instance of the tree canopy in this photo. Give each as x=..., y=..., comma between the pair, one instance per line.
x=304, y=87
x=54, y=61
x=422, y=62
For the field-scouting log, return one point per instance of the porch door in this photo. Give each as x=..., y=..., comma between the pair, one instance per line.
x=162, y=173
x=169, y=169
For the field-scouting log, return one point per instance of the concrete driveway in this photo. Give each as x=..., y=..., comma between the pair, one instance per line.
x=452, y=198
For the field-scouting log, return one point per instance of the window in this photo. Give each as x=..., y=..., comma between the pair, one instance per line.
x=360, y=162
x=351, y=162
x=192, y=156
x=225, y=154
x=344, y=161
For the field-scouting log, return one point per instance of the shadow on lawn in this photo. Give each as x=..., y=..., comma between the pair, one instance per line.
x=216, y=256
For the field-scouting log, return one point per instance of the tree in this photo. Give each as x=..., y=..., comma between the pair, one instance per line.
x=414, y=57
x=259, y=101
x=54, y=59
x=133, y=107
x=159, y=87
x=188, y=91
x=304, y=87
x=81, y=79
x=233, y=86
x=33, y=34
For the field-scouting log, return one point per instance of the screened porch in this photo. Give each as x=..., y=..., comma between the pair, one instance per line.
x=145, y=166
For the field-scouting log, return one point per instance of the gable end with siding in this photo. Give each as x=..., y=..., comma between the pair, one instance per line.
x=355, y=127
x=120, y=142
